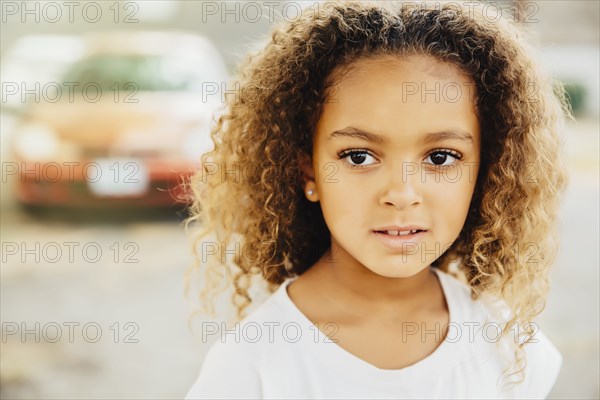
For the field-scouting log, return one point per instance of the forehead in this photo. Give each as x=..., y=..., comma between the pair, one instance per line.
x=401, y=98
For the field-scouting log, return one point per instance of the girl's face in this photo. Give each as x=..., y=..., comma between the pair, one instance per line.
x=397, y=144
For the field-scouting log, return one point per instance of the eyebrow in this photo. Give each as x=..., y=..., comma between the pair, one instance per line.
x=450, y=134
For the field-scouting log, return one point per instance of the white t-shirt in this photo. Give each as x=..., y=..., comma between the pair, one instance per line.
x=277, y=352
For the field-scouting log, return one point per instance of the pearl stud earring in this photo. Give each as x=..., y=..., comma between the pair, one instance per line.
x=310, y=192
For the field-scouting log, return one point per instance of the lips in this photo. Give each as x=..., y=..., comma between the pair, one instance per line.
x=399, y=232
x=397, y=241
x=400, y=228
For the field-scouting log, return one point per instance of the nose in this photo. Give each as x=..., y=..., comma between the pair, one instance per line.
x=401, y=188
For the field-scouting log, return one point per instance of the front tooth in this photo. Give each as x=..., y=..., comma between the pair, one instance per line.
x=400, y=233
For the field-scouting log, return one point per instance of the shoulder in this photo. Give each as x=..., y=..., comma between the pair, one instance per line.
x=544, y=362
x=226, y=372
x=488, y=314
x=232, y=366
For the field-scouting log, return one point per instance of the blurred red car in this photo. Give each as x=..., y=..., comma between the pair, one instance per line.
x=123, y=126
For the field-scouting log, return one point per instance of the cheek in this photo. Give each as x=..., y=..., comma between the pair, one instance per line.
x=450, y=202
x=341, y=198
x=340, y=194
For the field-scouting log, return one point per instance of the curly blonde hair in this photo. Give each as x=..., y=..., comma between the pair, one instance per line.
x=249, y=192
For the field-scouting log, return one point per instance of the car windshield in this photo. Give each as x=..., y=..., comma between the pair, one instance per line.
x=146, y=72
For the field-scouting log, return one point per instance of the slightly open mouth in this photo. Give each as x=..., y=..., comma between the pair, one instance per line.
x=400, y=234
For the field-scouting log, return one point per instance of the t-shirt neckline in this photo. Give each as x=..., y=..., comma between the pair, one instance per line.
x=351, y=363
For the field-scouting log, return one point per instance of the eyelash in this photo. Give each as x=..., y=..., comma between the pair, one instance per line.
x=346, y=153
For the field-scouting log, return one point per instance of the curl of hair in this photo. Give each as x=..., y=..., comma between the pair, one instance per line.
x=250, y=195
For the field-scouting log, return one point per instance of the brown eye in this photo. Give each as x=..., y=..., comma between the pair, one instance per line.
x=440, y=158
x=357, y=158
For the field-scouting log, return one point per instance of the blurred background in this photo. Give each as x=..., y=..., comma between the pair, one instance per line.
x=106, y=106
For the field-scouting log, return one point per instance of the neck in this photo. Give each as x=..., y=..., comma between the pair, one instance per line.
x=354, y=288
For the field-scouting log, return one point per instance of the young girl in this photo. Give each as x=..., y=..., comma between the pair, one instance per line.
x=393, y=174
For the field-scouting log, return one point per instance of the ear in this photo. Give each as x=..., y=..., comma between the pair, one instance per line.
x=307, y=179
